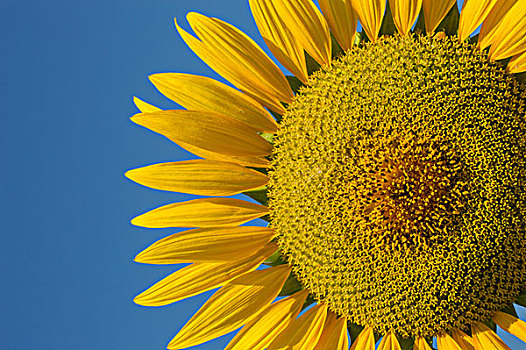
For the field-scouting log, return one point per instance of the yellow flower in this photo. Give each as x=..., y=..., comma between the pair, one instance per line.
x=391, y=168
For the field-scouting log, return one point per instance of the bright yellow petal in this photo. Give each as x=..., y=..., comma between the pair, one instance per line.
x=365, y=340
x=511, y=324
x=206, y=130
x=342, y=20
x=334, y=335
x=199, y=278
x=446, y=342
x=473, y=13
x=256, y=162
x=371, y=14
x=463, y=340
x=238, y=59
x=200, y=177
x=492, y=22
x=278, y=37
x=421, y=344
x=199, y=93
x=518, y=63
x=206, y=212
x=303, y=332
x=207, y=245
x=509, y=38
x=485, y=338
x=405, y=13
x=234, y=305
x=308, y=27
x=389, y=342
x=435, y=11
x=258, y=334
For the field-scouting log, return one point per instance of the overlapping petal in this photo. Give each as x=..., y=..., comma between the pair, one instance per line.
x=446, y=342
x=492, y=22
x=342, y=20
x=199, y=177
x=405, y=13
x=365, y=340
x=463, y=340
x=371, y=14
x=389, y=342
x=334, y=335
x=303, y=332
x=258, y=334
x=511, y=324
x=435, y=11
x=485, y=338
x=199, y=278
x=206, y=212
x=206, y=130
x=473, y=13
x=237, y=303
x=421, y=344
x=199, y=93
x=518, y=63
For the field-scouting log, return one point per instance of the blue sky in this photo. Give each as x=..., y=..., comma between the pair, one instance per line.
x=69, y=71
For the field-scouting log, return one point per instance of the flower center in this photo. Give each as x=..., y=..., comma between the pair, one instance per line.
x=398, y=186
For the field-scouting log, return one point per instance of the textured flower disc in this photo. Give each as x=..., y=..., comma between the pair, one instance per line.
x=398, y=186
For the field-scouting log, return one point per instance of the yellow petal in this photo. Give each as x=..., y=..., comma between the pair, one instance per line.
x=199, y=278
x=492, y=22
x=199, y=93
x=405, y=13
x=342, y=20
x=303, y=332
x=308, y=27
x=485, y=338
x=365, y=340
x=518, y=63
x=278, y=37
x=256, y=162
x=473, y=13
x=334, y=335
x=199, y=177
x=207, y=245
x=259, y=333
x=237, y=303
x=509, y=38
x=238, y=59
x=206, y=212
x=435, y=11
x=210, y=131
x=421, y=344
x=389, y=342
x=511, y=324
x=446, y=342
x=371, y=14
x=463, y=340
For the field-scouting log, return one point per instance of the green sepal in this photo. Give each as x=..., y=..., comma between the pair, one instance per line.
x=258, y=194
x=276, y=116
x=291, y=286
x=310, y=300
x=337, y=50
x=474, y=39
x=358, y=39
x=449, y=24
x=312, y=65
x=406, y=343
x=511, y=310
x=354, y=330
x=295, y=83
x=521, y=299
x=420, y=26
x=275, y=259
x=268, y=137
x=491, y=325
x=521, y=77
x=388, y=26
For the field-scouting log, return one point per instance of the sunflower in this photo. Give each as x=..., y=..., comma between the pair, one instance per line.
x=390, y=167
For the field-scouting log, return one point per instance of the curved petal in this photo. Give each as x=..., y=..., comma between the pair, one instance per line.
x=256, y=162
x=199, y=278
x=511, y=324
x=435, y=11
x=237, y=303
x=206, y=212
x=365, y=340
x=492, y=22
x=247, y=67
x=278, y=37
x=510, y=35
x=342, y=20
x=517, y=63
x=446, y=342
x=307, y=25
x=210, y=131
x=334, y=335
x=204, y=94
x=389, y=342
x=463, y=340
x=421, y=344
x=258, y=334
x=485, y=338
x=302, y=331
x=473, y=13
x=371, y=14
x=199, y=177
x=405, y=13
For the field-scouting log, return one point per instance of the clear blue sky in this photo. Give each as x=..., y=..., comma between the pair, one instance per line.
x=69, y=71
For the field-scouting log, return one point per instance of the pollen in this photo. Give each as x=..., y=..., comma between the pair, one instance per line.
x=397, y=186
